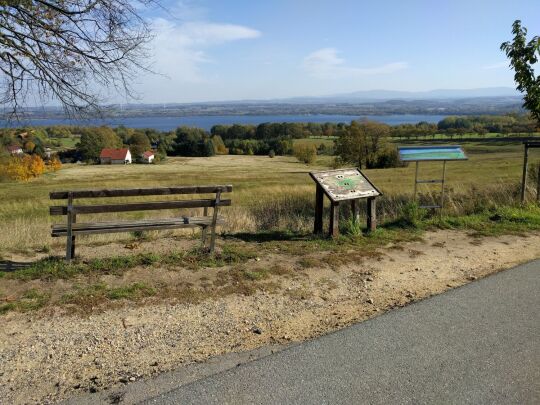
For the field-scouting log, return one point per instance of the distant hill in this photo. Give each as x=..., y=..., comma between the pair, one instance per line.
x=385, y=95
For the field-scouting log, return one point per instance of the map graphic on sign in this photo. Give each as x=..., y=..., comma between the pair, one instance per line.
x=345, y=184
x=431, y=153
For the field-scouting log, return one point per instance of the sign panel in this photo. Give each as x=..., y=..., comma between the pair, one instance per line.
x=345, y=184
x=431, y=153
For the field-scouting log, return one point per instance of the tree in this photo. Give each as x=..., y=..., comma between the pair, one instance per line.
x=94, y=140
x=193, y=142
x=523, y=56
x=305, y=153
x=65, y=50
x=138, y=144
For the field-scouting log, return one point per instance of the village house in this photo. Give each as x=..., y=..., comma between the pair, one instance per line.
x=115, y=156
x=148, y=157
x=15, y=150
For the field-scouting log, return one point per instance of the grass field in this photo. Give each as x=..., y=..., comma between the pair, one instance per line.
x=269, y=194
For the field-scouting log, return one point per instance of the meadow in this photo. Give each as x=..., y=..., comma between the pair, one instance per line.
x=269, y=193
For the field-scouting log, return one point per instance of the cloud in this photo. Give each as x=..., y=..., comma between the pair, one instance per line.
x=179, y=48
x=498, y=65
x=326, y=64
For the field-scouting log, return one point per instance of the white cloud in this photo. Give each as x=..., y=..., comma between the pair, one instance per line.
x=498, y=65
x=180, y=48
x=326, y=64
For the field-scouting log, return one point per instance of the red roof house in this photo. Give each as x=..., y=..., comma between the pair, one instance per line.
x=111, y=156
x=15, y=150
x=148, y=156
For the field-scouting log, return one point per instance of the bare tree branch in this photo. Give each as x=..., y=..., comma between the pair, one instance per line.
x=68, y=50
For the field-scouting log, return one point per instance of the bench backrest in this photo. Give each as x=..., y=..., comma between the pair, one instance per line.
x=139, y=206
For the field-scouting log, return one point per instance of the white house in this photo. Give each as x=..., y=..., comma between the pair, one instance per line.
x=115, y=156
x=15, y=150
x=148, y=157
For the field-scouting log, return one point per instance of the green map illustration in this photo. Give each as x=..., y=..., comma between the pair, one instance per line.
x=345, y=184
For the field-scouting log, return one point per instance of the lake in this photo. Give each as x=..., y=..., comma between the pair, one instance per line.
x=208, y=121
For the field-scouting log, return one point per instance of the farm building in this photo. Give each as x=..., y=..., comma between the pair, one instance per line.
x=115, y=156
x=148, y=157
x=15, y=150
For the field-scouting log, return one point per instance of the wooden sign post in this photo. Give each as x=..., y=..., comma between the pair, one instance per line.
x=340, y=186
x=529, y=145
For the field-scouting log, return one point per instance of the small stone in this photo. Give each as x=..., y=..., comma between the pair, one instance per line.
x=370, y=301
x=132, y=378
x=154, y=364
x=369, y=279
x=256, y=330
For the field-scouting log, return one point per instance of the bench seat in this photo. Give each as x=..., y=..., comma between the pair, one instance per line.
x=135, y=225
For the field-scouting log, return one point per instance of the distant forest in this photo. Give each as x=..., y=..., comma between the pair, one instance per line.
x=74, y=143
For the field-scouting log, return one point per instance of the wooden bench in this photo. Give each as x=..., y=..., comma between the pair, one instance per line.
x=72, y=228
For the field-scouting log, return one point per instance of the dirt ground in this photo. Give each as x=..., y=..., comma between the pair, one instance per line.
x=49, y=355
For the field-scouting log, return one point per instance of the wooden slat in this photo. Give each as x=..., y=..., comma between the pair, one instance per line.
x=62, y=195
x=157, y=205
x=130, y=226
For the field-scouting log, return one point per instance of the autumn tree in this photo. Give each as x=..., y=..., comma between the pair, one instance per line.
x=66, y=50
x=523, y=56
x=24, y=168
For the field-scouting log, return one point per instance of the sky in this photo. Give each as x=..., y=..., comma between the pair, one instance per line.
x=214, y=50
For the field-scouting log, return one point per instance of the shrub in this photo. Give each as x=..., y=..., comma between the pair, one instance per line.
x=272, y=154
x=54, y=164
x=24, y=168
x=305, y=153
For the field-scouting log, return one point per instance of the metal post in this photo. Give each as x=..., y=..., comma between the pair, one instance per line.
x=442, y=184
x=416, y=180
x=525, y=169
x=538, y=186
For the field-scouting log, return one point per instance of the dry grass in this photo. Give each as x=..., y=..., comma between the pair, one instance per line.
x=269, y=194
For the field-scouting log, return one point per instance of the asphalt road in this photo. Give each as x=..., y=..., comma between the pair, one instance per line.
x=477, y=344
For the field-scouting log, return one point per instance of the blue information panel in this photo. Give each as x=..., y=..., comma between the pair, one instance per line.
x=431, y=153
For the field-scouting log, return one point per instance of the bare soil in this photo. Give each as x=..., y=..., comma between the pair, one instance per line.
x=50, y=355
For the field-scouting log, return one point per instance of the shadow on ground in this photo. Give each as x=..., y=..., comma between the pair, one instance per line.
x=269, y=236
x=8, y=266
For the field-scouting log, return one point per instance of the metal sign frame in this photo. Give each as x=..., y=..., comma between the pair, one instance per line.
x=440, y=181
x=322, y=190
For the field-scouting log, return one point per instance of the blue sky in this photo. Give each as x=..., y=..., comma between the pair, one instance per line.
x=230, y=50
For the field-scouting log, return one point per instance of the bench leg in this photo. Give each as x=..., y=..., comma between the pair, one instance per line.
x=204, y=230
x=214, y=221
x=71, y=218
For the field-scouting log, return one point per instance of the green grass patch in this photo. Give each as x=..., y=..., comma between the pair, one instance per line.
x=494, y=222
x=57, y=268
